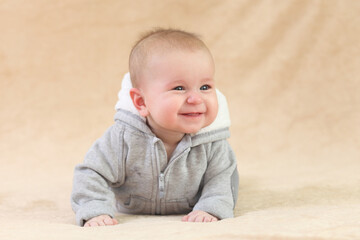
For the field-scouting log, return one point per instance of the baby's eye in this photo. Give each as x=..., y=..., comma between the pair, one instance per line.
x=179, y=88
x=205, y=87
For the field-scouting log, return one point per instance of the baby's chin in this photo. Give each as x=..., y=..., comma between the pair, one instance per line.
x=194, y=131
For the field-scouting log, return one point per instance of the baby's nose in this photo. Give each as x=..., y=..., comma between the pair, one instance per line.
x=194, y=98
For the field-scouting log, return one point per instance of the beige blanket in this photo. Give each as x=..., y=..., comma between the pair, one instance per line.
x=290, y=71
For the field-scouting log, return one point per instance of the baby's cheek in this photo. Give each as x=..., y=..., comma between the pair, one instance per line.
x=213, y=110
x=169, y=113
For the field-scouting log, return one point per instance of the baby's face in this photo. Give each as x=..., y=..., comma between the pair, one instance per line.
x=179, y=91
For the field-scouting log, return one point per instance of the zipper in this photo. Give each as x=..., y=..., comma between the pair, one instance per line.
x=161, y=192
x=161, y=185
x=161, y=180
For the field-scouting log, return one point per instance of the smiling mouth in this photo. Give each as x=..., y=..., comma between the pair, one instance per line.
x=192, y=114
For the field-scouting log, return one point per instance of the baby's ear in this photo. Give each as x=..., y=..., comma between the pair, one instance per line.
x=138, y=101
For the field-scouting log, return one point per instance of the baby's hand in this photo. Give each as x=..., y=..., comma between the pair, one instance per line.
x=199, y=216
x=102, y=220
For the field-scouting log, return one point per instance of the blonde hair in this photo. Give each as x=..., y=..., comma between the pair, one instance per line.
x=160, y=40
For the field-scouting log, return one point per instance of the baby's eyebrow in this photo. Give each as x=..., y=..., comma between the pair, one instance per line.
x=207, y=80
x=175, y=83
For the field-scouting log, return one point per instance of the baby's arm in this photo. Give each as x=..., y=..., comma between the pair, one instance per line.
x=219, y=193
x=92, y=195
x=102, y=220
x=199, y=216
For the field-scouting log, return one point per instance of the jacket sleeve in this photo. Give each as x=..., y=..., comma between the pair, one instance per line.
x=219, y=193
x=92, y=195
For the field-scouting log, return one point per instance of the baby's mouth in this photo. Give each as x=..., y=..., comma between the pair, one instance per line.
x=193, y=114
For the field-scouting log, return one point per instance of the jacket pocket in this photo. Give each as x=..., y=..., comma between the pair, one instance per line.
x=178, y=206
x=135, y=205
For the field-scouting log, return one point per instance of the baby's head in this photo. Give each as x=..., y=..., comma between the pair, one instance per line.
x=172, y=73
x=161, y=42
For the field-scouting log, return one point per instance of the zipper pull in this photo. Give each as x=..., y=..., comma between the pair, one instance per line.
x=161, y=185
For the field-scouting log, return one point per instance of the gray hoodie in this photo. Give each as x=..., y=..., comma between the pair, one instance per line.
x=126, y=170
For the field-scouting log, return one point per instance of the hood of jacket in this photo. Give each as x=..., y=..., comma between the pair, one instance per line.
x=127, y=113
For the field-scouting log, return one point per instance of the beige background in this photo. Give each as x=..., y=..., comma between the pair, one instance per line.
x=290, y=71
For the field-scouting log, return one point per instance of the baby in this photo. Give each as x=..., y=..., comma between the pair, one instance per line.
x=167, y=152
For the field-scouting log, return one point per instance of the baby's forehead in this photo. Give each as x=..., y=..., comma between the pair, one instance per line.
x=175, y=41
x=159, y=45
x=165, y=53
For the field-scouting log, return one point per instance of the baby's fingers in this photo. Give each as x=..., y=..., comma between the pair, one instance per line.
x=91, y=224
x=191, y=217
x=185, y=218
x=199, y=218
x=102, y=220
x=110, y=221
x=195, y=217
